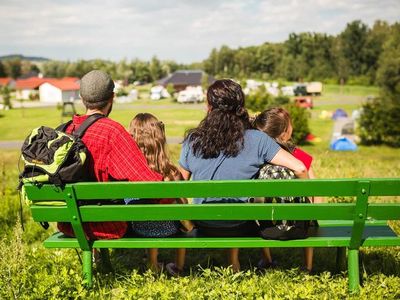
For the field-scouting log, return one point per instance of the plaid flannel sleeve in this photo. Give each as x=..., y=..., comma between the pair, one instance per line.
x=127, y=162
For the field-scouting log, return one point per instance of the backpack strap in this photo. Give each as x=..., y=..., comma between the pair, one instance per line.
x=86, y=124
x=63, y=127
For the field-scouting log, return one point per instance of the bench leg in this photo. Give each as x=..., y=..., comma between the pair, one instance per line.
x=340, y=259
x=354, y=271
x=87, y=268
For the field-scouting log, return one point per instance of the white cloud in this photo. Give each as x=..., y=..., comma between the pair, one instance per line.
x=175, y=29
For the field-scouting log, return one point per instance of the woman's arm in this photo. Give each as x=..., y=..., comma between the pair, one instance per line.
x=285, y=159
x=185, y=174
x=316, y=199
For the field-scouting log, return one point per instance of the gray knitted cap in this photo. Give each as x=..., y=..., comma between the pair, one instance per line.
x=96, y=89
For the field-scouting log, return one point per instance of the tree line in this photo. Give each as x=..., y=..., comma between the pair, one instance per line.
x=352, y=56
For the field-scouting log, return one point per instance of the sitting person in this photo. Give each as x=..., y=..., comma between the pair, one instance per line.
x=224, y=146
x=149, y=134
x=113, y=153
x=277, y=124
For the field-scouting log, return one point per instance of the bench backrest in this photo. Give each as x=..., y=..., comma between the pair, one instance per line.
x=358, y=211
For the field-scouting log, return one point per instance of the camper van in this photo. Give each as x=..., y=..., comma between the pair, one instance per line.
x=314, y=88
x=191, y=94
x=159, y=92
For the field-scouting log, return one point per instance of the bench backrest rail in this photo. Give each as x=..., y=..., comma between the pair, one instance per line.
x=358, y=212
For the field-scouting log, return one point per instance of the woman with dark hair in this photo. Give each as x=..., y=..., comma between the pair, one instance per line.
x=224, y=146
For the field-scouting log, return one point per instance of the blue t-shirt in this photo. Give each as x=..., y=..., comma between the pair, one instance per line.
x=258, y=149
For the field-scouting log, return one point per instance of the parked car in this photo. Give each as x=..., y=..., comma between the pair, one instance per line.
x=300, y=89
x=305, y=102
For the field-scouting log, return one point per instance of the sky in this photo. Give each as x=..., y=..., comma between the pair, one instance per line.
x=184, y=31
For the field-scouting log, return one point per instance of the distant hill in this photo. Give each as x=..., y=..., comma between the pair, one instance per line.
x=22, y=57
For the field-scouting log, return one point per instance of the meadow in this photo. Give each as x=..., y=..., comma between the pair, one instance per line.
x=29, y=271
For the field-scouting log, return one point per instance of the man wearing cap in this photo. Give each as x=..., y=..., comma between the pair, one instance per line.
x=113, y=153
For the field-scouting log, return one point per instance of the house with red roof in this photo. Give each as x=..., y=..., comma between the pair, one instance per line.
x=28, y=88
x=50, y=90
x=59, y=90
x=7, y=81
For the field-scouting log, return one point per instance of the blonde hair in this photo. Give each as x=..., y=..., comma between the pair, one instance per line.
x=149, y=134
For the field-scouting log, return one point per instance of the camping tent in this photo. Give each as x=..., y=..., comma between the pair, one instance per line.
x=343, y=144
x=339, y=113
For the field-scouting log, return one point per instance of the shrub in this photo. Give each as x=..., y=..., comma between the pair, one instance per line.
x=260, y=100
x=299, y=118
x=379, y=123
x=281, y=100
x=121, y=92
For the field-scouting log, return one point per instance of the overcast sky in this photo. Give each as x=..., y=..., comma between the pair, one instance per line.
x=184, y=31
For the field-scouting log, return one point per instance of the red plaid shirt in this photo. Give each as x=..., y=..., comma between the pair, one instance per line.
x=113, y=156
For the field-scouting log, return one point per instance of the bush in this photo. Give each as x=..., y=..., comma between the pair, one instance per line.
x=299, y=118
x=379, y=123
x=121, y=92
x=281, y=100
x=260, y=100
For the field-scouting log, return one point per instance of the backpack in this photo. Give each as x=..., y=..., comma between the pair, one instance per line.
x=284, y=229
x=53, y=156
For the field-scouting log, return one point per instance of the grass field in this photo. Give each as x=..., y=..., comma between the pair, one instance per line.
x=28, y=271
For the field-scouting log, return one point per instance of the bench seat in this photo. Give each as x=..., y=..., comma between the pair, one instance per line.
x=323, y=236
x=347, y=224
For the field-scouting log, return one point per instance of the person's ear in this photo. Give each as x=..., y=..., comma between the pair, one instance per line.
x=282, y=137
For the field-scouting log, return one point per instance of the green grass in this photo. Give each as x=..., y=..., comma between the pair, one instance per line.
x=16, y=124
x=354, y=90
x=29, y=271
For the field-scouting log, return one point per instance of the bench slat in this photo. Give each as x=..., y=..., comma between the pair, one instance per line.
x=322, y=237
x=220, y=188
x=384, y=211
x=50, y=213
x=198, y=212
x=325, y=211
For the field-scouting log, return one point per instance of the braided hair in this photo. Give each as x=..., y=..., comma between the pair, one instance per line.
x=223, y=129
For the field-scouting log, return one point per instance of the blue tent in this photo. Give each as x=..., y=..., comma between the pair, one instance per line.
x=339, y=113
x=343, y=144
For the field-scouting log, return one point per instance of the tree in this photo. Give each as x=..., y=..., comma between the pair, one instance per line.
x=13, y=67
x=353, y=43
x=374, y=46
x=268, y=57
x=379, y=122
x=388, y=73
x=2, y=70
x=155, y=69
x=5, y=91
x=211, y=64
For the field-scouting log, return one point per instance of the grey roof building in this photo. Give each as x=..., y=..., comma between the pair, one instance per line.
x=182, y=78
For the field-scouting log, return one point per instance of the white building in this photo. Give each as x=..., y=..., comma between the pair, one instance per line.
x=59, y=90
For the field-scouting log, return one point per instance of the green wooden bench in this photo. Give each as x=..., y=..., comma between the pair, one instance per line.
x=354, y=225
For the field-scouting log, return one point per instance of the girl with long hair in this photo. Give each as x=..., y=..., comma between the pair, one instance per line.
x=149, y=134
x=276, y=122
x=224, y=146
